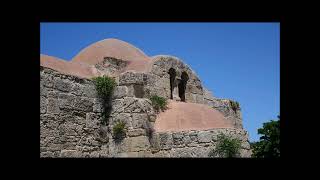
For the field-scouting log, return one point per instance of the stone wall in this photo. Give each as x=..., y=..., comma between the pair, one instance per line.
x=70, y=119
x=71, y=113
x=196, y=143
x=157, y=82
x=160, y=69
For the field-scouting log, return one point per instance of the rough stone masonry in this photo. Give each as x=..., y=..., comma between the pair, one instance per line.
x=70, y=123
x=71, y=111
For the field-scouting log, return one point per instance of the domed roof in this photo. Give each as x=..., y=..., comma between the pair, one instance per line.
x=181, y=116
x=96, y=52
x=115, y=48
x=66, y=67
x=83, y=63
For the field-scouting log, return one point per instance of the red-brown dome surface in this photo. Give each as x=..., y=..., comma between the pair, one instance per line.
x=115, y=48
x=181, y=116
x=83, y=63
x=67, y=67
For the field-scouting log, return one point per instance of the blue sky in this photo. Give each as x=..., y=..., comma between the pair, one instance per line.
x=239, y=61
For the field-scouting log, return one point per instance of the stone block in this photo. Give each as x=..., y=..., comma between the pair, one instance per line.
x=53, y=106
x=62, y=85
x=66, y=100
x=144, y=154
x=177, y=138
x=204, y=136
x=70, y=153
x=120, y=92
x=83, y=104
x=193, y=136
x=181, y=152
x=43, y=105
x=92, y=121
x=43, y=90
x=166, y=141
x=128, y=78
x=139, y=120
x=145, y=105
x=98, y=106
x=46, y=155
x=136, y=132
x=48, y=81
x=200, y=151
x=89, y=90
x=95, y=154
x=117, y=106
x=134, y=144
x=77, y=89
x=54, y=147
x=186, y=139
x=129, y=105
x=53, y=94
x=130, y=91
x=162, y=154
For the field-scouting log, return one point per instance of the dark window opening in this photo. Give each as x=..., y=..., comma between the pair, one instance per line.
x=138, y=91
x=172, y=73
x=182, y=86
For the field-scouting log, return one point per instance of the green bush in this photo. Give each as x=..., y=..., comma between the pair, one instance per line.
x=104, y=86
x=159, y=103
x=234, y=105
x=226, y=147
x=119, y=130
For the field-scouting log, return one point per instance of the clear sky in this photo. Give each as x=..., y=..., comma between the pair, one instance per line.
x=239, y=61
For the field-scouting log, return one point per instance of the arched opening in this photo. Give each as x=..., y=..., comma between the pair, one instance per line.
x=172, y=73
x=182, y=86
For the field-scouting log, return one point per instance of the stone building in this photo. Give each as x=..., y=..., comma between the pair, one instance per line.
x=71, y=111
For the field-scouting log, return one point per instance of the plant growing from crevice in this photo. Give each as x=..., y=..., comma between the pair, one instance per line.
x=226, y=147
x=234, y=105
x=159, y=103
x=119, y=130
x=105, y=86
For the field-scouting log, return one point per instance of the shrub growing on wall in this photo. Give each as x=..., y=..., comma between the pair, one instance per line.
x=234, y=105
x=226, y=147
x=119, y=130
x=159, y=103
x=105, y=86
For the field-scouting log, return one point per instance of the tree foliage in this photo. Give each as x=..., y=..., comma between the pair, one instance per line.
x=269, y=144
